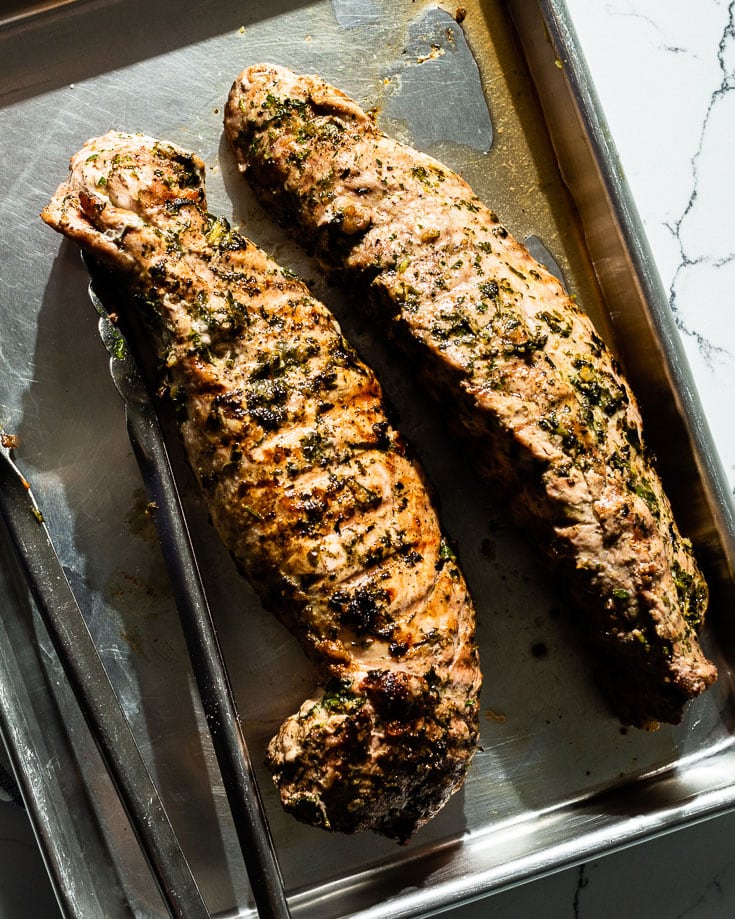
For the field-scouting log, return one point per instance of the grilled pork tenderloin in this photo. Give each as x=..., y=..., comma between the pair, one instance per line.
x=308, y=485
x=534, y=392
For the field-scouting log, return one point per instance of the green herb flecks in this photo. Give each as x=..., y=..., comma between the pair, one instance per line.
x=339, y=697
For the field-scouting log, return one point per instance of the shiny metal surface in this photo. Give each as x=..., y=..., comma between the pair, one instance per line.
x=557, y=780
x=15, y=12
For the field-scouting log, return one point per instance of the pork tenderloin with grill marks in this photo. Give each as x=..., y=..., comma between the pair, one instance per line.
x=534, y=391
x=308, y=485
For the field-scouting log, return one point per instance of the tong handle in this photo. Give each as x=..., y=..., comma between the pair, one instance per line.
x=96, y=697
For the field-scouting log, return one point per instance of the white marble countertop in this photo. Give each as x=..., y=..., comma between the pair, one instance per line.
x=665, y=74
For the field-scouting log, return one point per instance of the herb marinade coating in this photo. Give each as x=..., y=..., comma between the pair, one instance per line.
x=308, y=485
x=532, y=388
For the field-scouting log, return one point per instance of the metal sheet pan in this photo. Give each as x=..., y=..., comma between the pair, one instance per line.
x=557, y=779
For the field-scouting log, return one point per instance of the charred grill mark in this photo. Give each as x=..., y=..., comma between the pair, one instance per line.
x=364, y=609
x=396, y=698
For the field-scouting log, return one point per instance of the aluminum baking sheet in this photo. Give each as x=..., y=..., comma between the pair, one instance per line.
x=557, y=779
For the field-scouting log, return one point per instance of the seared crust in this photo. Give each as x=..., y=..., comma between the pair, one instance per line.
x=533, y=389
x=308, y=485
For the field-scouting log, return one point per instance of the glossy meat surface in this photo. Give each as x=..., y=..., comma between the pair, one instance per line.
x=307, y=483
x=532, y=389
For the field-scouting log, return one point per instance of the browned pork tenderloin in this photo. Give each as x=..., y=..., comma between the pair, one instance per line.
x=534, y=391
x=308, y=485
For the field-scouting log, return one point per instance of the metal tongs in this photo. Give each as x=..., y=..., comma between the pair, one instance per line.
x=85, y=671
x=94, y=692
